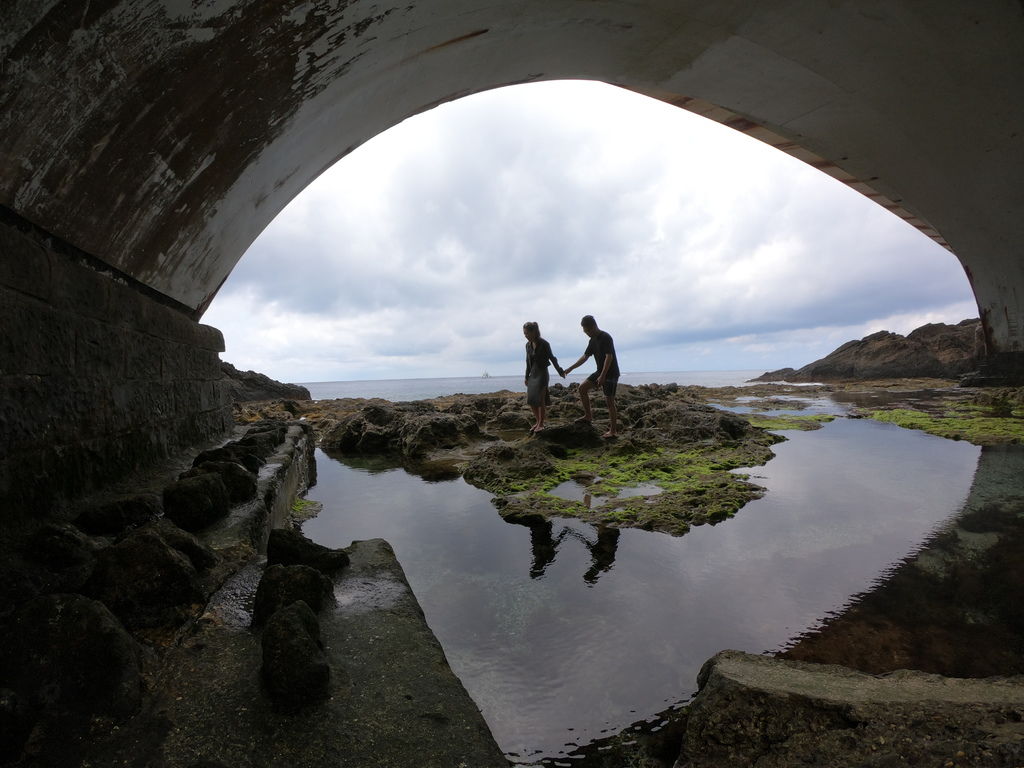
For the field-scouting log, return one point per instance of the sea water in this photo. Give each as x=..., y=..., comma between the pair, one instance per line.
x=418, y=389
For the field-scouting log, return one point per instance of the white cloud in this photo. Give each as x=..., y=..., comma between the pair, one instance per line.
x=422, y=253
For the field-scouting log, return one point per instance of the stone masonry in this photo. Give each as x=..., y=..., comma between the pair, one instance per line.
x=98, y=377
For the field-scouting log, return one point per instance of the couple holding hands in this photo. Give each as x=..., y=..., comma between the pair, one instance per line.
x=539, y=356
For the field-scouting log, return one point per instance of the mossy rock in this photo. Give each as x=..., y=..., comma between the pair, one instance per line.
x=979, y=430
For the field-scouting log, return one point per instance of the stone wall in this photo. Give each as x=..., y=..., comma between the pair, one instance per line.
x=98, y=376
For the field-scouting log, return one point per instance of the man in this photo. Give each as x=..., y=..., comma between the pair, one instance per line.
x=606, y=376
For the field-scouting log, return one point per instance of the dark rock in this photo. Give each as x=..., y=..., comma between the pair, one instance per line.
x=61, y=546
x=757, y=710
x=658, y=421
x=935, y=350
x=282, y=585
x=67, y=653
x=145, y=581
x=512, y=419
x=119, y=515
x=263, y=444
x=232, y=452
x=17, y=586
x=1000, y=369
x=276, y=428
x=409, y=429
x=239, y=481
x=201, y=556
x=196, y=502
x=16, y=721
x=295, y=668
x=782, y=374
x=248, y=386
x=66, y=554
x=515, y=510
x=427, y=432
x=498, y=467
x=575, y=434
x=289, y=547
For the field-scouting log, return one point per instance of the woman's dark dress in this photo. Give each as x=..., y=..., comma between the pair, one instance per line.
x=537, y=360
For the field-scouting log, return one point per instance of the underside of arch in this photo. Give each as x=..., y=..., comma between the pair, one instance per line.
x=162, y=136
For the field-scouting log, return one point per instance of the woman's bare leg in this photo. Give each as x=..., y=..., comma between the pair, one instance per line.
x=536, y=417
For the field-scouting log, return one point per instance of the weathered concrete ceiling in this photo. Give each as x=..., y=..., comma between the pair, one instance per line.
x=163, y=135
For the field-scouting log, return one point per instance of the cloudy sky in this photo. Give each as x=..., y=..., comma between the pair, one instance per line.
x=422, y=253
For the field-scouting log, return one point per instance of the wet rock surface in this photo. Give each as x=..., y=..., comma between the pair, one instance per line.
x=287, y=546
x=669, y=437
x=196, y=502
x=756, y=711
x=88, y=609
x=66, y=653
x=406, y=429
x=239, y=482
x=391, y=699
x=669, y=431
x=146, y=582
x=118, y=515
x=295, y=668
x=283, y=585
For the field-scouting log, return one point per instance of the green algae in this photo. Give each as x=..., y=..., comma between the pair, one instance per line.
x=303, y=510
x=696, y=486
x=803, y=421
x=957, y=424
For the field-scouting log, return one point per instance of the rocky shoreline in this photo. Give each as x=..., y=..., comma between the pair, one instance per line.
x=673, y=467
x=138, y=595
x=497, y=425
x=678, y=447
x=935, y=350
x=90, y=603
x=250, y=386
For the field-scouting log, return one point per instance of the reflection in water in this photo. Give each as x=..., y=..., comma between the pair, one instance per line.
x=544, y=546
x=953, y=608
x=561, y=661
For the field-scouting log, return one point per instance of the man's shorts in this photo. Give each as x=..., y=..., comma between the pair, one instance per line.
x=609, y=384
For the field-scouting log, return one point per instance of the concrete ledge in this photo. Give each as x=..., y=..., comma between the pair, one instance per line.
x=287, y=473
x=394, y=702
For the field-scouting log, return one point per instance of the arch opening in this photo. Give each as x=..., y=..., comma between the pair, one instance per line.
x=704, y=249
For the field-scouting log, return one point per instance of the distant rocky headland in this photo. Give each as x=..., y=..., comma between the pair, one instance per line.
x=935, y=350
x=249, y=386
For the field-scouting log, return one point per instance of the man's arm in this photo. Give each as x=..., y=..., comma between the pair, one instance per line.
x=605, y=368
x=577, y=364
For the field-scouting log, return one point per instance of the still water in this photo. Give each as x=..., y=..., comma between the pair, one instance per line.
x=566, y=635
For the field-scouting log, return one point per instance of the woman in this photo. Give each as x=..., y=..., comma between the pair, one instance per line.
x=538, y=357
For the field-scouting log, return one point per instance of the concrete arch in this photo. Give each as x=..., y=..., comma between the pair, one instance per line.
x=162, y=136
x=144, y=144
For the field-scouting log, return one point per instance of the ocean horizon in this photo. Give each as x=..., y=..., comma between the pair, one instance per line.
x=423, y=388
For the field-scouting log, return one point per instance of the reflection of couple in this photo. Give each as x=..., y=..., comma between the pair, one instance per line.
x=539, y=356
x=545, y=547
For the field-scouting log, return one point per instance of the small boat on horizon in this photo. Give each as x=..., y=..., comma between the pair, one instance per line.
x=486, y=375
